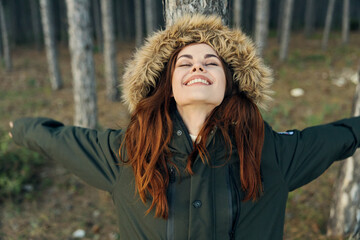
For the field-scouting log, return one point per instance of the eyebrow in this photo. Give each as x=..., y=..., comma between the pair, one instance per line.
x=211, y=55
x=191, y=57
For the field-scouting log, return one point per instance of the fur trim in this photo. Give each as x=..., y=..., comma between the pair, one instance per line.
x=237, y=50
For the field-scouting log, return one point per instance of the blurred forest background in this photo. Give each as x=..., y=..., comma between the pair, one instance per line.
x=312, y=45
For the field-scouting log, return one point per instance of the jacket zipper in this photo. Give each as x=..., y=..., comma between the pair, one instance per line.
x=233, y=187
x=171, y=193
x=231, y=234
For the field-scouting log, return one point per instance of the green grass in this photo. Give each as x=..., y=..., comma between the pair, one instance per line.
x=19, y=168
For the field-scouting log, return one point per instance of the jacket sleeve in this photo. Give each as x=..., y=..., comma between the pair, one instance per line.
x=89, y=154
x=304, y=155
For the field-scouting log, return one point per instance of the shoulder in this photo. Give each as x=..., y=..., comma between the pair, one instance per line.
x=112, y=138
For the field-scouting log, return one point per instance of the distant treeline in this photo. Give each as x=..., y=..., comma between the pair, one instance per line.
x=23, y=16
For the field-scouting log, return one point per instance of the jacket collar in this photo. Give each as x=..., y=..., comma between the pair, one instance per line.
x=181, y=140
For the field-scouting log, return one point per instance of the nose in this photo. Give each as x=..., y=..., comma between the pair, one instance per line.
x=197, y=67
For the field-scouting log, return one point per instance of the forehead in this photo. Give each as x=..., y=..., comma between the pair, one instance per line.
x=197, y=49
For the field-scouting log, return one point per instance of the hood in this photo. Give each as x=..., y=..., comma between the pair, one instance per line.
x=250, y=74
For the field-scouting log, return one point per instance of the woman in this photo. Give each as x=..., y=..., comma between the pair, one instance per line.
x=196, y=161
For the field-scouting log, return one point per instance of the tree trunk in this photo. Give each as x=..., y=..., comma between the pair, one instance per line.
x=138, y=23
x=1, y=43
x=55, y=19
x=149, y=16
x=97, y=25
x=345, y=211
x=176, y=8
x=5, y=38
x=262, y=24
x=345, y=21
x=155, y=15
x=63, y=23
x=280, y=19
x=35, y=21
x=237, y=13
x=112, y=92
x=12, y=22
x=309, y=18
x=328, y=21
x=358, y=18
x=51, y=52
x=82, y=63
x=285, y=29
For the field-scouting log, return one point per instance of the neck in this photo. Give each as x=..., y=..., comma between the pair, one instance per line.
x=194, y=116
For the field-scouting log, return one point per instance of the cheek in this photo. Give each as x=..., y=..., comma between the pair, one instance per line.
x=177, y=78
x=174, y=84
x=223, y=80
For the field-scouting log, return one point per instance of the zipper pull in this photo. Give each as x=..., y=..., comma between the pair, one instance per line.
x=172, y=175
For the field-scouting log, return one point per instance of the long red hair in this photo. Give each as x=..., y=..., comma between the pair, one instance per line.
x=150, y=131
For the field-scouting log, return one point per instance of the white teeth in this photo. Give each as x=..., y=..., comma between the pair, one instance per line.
x=197, y=80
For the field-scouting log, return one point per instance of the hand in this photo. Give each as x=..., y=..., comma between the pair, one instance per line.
x=11, y=124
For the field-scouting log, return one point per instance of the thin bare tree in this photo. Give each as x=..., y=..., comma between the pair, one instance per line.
x=82, y=63
x=1, y=44
x=237, y=13
x=285, y=29
x=5, y=38
x=309, y=18
x=345, y=21
x=63, y=23
x=51, y=52
x=176, y=8
x=149, y=16
x=112, y=92
x=97, y=24
x=328, y=21
x=261, y=24
x=358, y=18
x=280, y=19
x=138, y=23
x=35, y=22
x=345, y=210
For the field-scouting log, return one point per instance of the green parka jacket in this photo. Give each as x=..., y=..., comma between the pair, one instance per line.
x=208, y=204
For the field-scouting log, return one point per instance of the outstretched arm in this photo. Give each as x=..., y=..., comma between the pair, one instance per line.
x=305, y=155
x=91, y=155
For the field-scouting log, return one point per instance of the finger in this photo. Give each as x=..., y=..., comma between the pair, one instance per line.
x=11, y=124
x=10, y=134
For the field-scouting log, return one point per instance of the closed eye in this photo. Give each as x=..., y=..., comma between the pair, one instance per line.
x=184, y=65
x=212, y=64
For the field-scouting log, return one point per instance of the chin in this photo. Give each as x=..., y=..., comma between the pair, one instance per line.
x=199, y=102
x=201, y=99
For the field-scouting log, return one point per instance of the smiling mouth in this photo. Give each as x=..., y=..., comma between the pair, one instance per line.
x=197, y=80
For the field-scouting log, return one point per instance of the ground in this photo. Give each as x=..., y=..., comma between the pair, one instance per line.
x=62, y=204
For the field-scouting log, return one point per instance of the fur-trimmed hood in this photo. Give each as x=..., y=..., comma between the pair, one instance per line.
x=238, y=51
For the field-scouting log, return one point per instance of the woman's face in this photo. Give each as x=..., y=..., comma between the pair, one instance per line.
x=198, y=77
